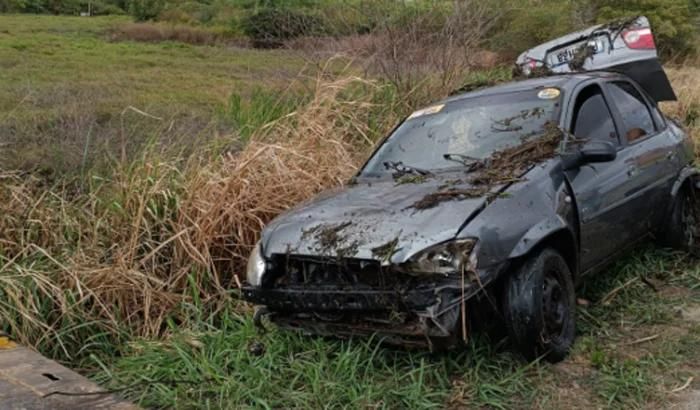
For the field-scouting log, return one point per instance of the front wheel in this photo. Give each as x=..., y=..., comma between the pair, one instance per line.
x=540, y=307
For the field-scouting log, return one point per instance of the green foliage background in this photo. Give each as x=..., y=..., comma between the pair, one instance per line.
x=522, y=22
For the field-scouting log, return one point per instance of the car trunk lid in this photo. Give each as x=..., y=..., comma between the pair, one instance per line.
x=626, y=46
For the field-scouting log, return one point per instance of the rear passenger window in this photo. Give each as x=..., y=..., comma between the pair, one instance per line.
x=633, y=109
x=592, y=118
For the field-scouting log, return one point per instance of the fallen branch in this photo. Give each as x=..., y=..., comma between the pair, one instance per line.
x=684, y=386
x=642, y=340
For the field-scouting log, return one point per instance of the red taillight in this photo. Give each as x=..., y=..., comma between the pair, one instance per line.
x=639, y=38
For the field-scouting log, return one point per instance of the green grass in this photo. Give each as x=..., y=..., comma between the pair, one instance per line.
x=212, y=367
x=65, y=86
x=41, y=52
x=210, y=364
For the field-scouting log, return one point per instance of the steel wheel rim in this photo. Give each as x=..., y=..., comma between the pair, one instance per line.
x=555, y=308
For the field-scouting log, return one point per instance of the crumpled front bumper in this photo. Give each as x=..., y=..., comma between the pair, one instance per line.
x=421, y=316
x=410, y=319
x=339, y=300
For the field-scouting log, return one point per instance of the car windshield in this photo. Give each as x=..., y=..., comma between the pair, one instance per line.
x=445, y=135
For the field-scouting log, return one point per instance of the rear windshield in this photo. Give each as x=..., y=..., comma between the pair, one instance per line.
x=473, y=127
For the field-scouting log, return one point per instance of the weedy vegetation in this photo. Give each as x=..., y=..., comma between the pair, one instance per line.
x=136, y=170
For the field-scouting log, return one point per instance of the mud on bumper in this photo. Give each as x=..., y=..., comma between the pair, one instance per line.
x=425, y=317
x=339, y=300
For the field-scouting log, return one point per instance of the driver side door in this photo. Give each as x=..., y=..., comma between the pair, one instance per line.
x=608, y=208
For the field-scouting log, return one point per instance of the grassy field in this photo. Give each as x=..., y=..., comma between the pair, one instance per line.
x=115, y=224
x=65, y=88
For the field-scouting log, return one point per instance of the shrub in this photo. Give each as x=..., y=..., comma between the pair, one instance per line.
x=190, y=12
x=271, y=27
x=101, y=8
x=425, y=54
x=523, y=26
x=143, y=10
x=13, y=6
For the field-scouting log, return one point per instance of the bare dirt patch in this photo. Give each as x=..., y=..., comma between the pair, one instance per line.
x=691, y=313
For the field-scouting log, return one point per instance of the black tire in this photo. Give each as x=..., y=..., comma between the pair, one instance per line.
x=682, y=230
x=540, y=307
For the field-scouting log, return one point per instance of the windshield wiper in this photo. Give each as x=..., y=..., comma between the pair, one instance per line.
x=403, y=169
x=471, y=163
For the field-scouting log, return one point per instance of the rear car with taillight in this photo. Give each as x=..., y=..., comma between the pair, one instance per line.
x=625, y=46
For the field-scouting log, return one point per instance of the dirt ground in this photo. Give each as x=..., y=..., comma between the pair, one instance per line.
x=648, y=355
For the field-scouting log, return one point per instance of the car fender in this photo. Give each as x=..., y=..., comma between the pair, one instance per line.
x=687, y=172
x=539, y=232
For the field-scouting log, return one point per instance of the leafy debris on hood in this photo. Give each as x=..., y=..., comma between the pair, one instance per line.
x=502, y=167
x=433, y=199
x=385, y=251
x=411, y=179
x=506, y=165
x=328, y=239
x=450, y=183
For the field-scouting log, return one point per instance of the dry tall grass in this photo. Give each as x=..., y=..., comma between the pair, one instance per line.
x=685, y=79
x=129, y=253
x=286, y=162
x=154, y=33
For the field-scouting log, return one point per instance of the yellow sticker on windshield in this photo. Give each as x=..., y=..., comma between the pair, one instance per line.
x=548, y=93
x=427, y=111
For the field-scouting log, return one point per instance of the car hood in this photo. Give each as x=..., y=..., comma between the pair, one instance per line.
x=361, y=220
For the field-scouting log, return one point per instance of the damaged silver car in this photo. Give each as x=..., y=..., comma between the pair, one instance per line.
x=498, y=200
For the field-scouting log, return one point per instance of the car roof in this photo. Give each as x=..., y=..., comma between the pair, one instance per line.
x=564, y=82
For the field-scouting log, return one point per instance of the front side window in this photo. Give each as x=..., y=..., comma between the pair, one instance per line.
x=470, y=127
x=635, y=114
x=592, y=118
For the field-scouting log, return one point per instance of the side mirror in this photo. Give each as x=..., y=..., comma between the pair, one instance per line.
x=593, y=151
x=598, y=151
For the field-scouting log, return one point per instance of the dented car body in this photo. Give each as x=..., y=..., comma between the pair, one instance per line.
x=503, y=197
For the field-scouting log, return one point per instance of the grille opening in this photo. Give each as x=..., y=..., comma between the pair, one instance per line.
x=293, y=270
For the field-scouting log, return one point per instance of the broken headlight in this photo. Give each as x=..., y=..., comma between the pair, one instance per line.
x=256, y=266
x=445, y=258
